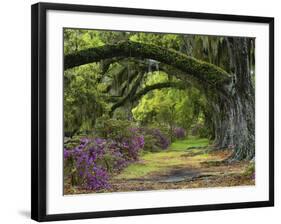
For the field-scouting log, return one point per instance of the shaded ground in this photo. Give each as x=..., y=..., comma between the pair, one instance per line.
x=186, y=164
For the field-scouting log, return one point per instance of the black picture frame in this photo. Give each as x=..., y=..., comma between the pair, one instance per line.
x=38, y=108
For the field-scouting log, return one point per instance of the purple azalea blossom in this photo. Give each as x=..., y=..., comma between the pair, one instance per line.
x=179, y=132
x=91, y=152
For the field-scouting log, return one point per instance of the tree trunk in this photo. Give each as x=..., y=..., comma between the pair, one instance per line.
x=235, y=118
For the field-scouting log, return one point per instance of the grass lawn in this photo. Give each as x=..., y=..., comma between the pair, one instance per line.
x=163, y=161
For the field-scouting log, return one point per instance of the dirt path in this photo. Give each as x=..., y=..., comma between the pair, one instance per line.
x=183, y=168
x=186, y=164
x=174, y=176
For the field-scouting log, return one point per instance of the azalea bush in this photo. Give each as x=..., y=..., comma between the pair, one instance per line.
x=123, y=135
x=90, y=163
x=179, y=133
x=155, y=139
x=82, y=164
x=163, y=141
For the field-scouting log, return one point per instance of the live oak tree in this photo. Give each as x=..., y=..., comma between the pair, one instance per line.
x=221, y=68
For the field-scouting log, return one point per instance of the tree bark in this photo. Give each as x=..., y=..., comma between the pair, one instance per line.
x=234, y=118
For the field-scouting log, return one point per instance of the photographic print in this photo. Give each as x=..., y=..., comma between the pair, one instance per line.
x=157, y=111
x=144, y=111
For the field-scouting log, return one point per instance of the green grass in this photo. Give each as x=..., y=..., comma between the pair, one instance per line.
x=181, y=145
x=151, y=162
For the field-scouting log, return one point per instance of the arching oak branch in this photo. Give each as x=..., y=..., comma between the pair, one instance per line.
x=201, y=70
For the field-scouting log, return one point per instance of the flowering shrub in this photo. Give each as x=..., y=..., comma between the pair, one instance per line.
x=162, y=140
x=179, y=133
x=131, y=145
x=90, y=163
x=82, y=163
x=154, y=139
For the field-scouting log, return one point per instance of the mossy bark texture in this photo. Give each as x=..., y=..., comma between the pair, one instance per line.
x=234, y=113
x=201, y=70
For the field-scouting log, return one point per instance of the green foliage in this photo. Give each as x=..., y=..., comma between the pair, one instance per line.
x=91, y=90
x=78, y=39
x=156, y=138
x=150, y=143
x=167, y=40
x=83, y=101
x=113, y=128
x=250, y=170
x=169, y=106
x=200, y=130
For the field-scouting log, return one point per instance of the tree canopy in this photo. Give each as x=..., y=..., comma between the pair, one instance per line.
x=172, y=79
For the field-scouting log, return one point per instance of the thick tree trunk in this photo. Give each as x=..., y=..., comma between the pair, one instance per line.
x=235, y=118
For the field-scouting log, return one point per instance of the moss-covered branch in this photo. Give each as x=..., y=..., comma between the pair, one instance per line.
x=199, y=69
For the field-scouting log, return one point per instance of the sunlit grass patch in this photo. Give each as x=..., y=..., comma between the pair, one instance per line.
x=190, y=142
x=138, y=170
x=152, y=162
